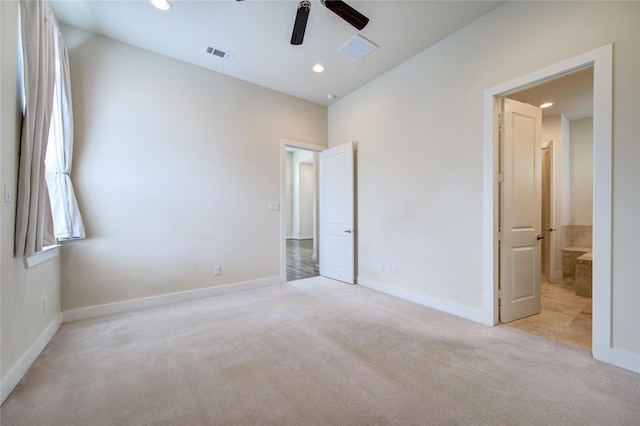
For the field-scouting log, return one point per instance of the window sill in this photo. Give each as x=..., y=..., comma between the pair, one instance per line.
x=48, y=252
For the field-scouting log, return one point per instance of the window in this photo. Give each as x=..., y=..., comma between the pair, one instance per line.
x=47, y=132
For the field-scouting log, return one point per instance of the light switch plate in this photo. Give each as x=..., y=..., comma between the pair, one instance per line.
x=7, y=193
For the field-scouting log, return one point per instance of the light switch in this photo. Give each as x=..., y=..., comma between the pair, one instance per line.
x=7, y=193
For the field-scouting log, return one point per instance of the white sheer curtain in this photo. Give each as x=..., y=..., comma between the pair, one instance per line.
x=67, y=221
x=33, y=220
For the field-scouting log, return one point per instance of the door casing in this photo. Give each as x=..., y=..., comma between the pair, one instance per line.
x=284, y=143
x=601, y=60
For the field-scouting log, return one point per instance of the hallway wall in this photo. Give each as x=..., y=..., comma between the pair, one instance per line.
x=302, y=182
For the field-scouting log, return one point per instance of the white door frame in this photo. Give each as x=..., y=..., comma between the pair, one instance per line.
x=601, y=60
x=284, y=143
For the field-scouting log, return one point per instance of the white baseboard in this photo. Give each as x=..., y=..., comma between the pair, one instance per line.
x=626, y=360
x=617, y=357
x=166, y=299
x=473, y=314
x=556, y=276
x=18, y=371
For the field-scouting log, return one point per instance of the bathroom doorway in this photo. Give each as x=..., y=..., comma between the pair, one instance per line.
x=566, y=209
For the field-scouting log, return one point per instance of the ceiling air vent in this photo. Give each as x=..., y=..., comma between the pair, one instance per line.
x=227, y=56
x=358, y=47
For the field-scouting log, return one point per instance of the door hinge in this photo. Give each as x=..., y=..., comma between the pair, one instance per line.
x=500, y=177
x=500, y=119
x=499, y=235
x=499, y=294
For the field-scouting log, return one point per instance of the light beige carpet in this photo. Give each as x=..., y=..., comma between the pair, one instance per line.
x=313, y=352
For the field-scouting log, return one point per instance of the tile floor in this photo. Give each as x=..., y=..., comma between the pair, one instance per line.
x=564, y=316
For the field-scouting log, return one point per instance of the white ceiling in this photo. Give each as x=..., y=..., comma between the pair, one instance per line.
x=572, y=95
x=258, y=32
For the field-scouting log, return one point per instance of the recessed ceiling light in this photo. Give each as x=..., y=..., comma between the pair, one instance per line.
x=161, y=4
x=546, y=105
x=331, y=96
x=317, y=68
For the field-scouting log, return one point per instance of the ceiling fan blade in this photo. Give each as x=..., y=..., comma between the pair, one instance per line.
x=347, y=13
x=300, y=24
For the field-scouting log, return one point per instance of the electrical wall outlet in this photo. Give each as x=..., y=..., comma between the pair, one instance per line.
x=388, y=269
x=217, y=270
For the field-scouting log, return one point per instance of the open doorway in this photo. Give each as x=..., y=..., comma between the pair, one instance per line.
x=301, y=213
x=334, y=228
x=601, y=60
x=566, y=209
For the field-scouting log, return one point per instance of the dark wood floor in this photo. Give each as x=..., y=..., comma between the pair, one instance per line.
x=299, y=262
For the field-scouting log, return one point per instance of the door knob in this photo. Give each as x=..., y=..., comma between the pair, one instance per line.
x=348, y=231
x=540, y=237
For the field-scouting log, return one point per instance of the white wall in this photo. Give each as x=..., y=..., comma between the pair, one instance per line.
x=25, y=328
x=302, y=177
x=551, y=130
x=419, y=133
x=306, y=200
x=565, y=130
x=289, y=195
x=581, y=186
x=174, y=168
x=299, y=194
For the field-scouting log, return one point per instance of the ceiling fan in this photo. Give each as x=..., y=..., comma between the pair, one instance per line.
x=338, y=7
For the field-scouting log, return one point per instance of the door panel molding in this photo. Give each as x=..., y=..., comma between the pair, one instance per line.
x=337, y=218
x=520, y=216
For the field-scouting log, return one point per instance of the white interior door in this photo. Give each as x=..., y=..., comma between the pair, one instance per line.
x=521, y=211
x=337, y=213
